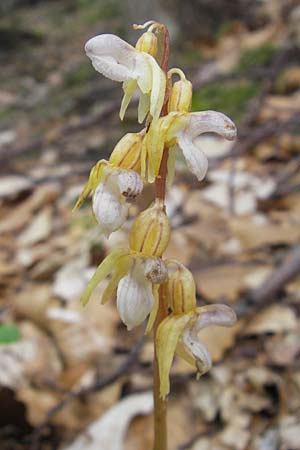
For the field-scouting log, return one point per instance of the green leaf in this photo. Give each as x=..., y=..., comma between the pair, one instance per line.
x=9, y=333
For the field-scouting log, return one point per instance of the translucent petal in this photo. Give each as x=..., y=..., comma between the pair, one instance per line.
x=171, y=165
x=144, y=107
x=129, y=88
x=130, y=183
x=168, y=334
x=123, y=266
x=134, y=297
x=105, y=268
x=217, y=314
x=143, y=73
x=195, y=158
x=112, y=57
x=95, y=177
x=158, y=89
x=109, y=207
x=153, y=314
x=198, y=350
x=210, y=122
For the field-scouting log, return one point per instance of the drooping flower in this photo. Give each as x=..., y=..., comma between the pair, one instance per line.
x=181, y=130
x=119, y=61
x=179, y=331
x=110, y=187
x=136, y=278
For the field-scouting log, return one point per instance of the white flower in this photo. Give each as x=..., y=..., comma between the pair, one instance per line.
x=181, y=130
x=119, y=61
x=135, y=299
x=136, y=278
x=197, y=124
x=111, y=187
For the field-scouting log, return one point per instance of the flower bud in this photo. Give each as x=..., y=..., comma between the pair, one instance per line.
x=127, y=152
x=150, y=232
x=181, y=291
x=155, y=270
x=180, y=98
x=147, y=43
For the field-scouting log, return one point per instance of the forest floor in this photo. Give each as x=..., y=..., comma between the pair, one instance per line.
x=70, y=373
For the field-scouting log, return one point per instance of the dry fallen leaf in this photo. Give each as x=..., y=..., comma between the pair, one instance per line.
x=274, y=319
x=108, y=432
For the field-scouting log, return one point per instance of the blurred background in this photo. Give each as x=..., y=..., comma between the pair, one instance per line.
x=72, y=378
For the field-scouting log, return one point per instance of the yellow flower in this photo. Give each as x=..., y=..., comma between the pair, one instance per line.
x=136, y=278
x=179, y=331
x=179, y=129
x=119, y=61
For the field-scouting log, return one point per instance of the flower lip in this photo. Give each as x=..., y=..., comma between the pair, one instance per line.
x=107, y=45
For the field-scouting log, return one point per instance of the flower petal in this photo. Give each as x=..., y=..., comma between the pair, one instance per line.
x=168, y=334
x=158, y=88
x=197, y=124
x=153, y=314
x=144, y=107
x=111, y=56
x=130, y=183
x=218, y=314
x=195, y=158
x=198, y=350
x=95, y=177
x=134, y=297
x=210, y=122
x=122, y=268
x=110, y=209
x=106, y=267
x=129, y=88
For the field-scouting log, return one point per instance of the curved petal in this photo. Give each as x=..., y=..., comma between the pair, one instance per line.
x=198, y=350
x=110, y=209
x=144, y=107
x=122, y=268
x=210, y=122
x=167, y=337
x=195, y=158
x=153, y=314
x=129, y=88
x=196, y=124
x=95, y=177
x=134, y=297
x=218, y=314
x=130, y=183
x=171, y=165
x=158, y=88
x=104, y=269
x=111, y=56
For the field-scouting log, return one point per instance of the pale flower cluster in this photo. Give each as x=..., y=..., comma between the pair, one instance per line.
x=139, y=272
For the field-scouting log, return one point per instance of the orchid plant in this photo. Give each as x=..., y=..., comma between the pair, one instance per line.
x=146, y=284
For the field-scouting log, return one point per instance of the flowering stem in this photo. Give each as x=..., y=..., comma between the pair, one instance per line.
x=160, y=405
